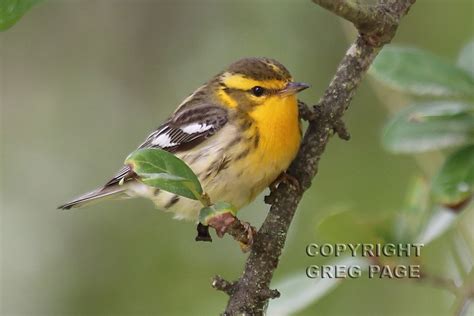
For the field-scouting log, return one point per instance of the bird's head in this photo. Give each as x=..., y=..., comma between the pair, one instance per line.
x=251, y=82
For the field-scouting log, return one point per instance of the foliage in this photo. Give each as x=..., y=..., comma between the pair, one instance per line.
x=12, y=10
x=430, y=125
x=161, y=169
x=421, y=73
x=208, y=212
x=436, y=124
x=454, y=182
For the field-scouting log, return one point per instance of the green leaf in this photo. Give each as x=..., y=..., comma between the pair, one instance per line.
x=214, y=210
x=454, y=183
x=440, y=221
x=429, y=126
x=421, y=73
x=12, y=10
x=466, y=58
x=161, y=169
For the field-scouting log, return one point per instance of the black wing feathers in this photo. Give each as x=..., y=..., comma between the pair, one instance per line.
x=186, y=129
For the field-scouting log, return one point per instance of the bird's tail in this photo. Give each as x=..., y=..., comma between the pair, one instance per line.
x=114, y=191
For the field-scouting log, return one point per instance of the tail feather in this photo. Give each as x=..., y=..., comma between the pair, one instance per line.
x=95, y=196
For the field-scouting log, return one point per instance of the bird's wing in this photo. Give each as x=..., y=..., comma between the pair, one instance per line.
x=186, y=129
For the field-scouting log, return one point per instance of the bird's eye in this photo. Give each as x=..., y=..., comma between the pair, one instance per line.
x=258, y=91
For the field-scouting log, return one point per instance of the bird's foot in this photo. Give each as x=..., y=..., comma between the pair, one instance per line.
x=221, y=217
x=287, y=179
x=221, y=223
x=249, y=233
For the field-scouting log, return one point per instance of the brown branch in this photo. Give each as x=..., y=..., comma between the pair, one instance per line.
x=377, y=26
x=305, y=112
x=363, y=18
x=241, y=231
x=222, y=285
x=377, y=23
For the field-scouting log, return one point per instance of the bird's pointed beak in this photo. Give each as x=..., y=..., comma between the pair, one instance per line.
x=294, y=87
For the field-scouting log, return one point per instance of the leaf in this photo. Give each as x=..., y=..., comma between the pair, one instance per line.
x=208, y=213
x=454, y=183
x=440, y=221
x=161, y=169
x=12, y=10
x=428, y=126
x=421, y=73
x=299, y=291
x=466, y=58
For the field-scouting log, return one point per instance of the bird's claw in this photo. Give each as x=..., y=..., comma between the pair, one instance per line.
x=224, y=221
x=287, y=179
x=250, y=233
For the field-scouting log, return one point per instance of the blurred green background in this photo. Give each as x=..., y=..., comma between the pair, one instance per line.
x=84, y=82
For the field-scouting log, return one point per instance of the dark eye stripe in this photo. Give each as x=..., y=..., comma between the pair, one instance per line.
x=267, y=91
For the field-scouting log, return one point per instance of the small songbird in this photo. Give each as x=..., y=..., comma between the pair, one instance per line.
x=238, y=132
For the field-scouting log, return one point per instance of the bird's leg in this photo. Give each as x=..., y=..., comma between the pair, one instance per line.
x=241, y=231
x=223, y=220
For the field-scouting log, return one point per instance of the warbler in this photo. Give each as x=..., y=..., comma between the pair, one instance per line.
x=238, y=133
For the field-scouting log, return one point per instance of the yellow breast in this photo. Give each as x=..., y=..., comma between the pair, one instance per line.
x=279, y=129
x=280, y=137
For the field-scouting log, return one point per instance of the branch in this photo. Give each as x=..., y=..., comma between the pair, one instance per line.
x=364, y=19
x=222, y=285
x=377, y=26
x=377, y=23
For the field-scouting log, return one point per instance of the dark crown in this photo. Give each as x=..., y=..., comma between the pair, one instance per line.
x=260, y=69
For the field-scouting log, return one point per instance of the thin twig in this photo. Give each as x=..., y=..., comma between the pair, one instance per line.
x=305, y=112
x=222, y=285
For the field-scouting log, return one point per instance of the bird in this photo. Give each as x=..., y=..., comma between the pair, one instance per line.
x=238, y=132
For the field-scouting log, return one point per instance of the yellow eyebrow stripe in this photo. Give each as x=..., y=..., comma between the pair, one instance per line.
x=226, y=99
x=237, y=81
